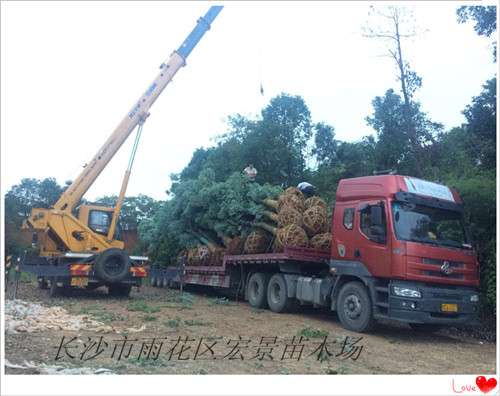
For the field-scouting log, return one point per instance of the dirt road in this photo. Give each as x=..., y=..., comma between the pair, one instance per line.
x=210, y=334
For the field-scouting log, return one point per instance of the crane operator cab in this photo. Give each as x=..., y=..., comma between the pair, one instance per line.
x=98, y=219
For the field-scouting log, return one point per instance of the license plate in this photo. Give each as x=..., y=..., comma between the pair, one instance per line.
x=80, y=281
x=449, y=308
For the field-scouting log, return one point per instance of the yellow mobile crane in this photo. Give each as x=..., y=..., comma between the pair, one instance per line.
x=79, y=245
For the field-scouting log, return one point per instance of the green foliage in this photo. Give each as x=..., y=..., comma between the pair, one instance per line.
x=276, y=144
x=134, y=209
x=142, y=306
x=30, y=193
x=204, y=207
x=485, y=19
x=173, y=323
x=310, y=332
x=481, y=117
x=399, y=147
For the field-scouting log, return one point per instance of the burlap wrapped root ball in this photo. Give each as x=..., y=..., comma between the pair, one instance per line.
x=291, y=200
x=235, y=246
x=290, y=236
x=314, y=201
x=256, y=242
x=321, y=241
x=315, y=220
x=289, y=215
x=293, y=191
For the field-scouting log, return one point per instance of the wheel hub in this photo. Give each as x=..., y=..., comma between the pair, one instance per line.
x=352, y=306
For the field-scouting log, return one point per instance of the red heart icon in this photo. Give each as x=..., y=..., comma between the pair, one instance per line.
x=486, y=385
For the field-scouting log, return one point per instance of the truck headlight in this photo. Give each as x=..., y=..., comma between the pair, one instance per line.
x=406, y=292
x=474, y=298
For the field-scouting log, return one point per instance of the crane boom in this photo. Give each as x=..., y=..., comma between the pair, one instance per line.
x=90, y=230
x=137, y=115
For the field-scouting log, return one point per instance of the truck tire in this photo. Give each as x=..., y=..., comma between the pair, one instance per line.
x=277, y=295
x=152, y=281
x=165, y=282
x=257, y=290
x=354, y=307
x=119, y=290
x=112, y=265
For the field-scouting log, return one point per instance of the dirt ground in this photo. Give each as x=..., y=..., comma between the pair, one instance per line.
x=205, y=333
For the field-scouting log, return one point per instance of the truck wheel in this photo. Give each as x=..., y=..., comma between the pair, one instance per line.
x=152, y=281
x=277, y=295
x=119, y=290
x=256, y=289
x=165, y=282
x=112, y=265
x=354, y=307
x=425, y=327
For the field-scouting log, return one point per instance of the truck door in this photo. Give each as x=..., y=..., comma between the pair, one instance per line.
x=373, y=242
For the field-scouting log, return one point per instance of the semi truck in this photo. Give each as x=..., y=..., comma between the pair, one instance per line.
x=79, y=243
x=400, y=250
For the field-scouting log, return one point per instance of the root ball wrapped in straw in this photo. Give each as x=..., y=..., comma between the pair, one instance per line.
x=314, y=201
x=256, y=242
x=321, y=241
x=315, y=220
x=289, y=215
x=290, y=236
x=291, y=200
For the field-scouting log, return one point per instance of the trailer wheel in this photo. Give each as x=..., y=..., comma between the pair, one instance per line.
x=256, y=289
x=277, y=295
x=112, y=265
x=119, y=290
x=165, y=282
x=152, y=281
x=354, y=307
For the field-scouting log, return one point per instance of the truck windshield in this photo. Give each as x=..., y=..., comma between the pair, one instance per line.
x=429, y=225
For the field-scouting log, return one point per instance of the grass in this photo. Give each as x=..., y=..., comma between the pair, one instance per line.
x=219, y=301
x=173, y=323
x=192, y=322
x=311, y=332
x=149, y=318
x=27, y=277
x=100, y=314
x=185, y=301
x=142, y=306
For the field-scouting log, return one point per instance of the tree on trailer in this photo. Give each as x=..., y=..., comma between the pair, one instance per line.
x=400, y=250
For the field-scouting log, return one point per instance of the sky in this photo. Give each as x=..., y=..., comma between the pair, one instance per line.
x=70, y=71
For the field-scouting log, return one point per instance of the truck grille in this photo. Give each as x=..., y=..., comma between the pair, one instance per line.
x=425, y=269
x=453, y=264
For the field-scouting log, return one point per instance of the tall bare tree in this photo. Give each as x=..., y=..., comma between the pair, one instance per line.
x=393, y=25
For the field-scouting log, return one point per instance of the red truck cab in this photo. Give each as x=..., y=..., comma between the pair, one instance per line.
x=406, y=240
